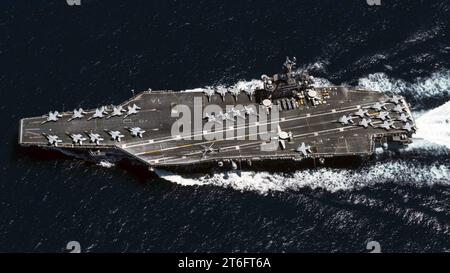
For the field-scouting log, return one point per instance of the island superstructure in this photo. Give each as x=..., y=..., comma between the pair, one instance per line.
x=285, y=121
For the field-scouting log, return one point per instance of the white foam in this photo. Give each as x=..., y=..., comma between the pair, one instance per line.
x=434, y=126
x=437, y=84
x=402, y=172
x=106, y=164
x=240, y=85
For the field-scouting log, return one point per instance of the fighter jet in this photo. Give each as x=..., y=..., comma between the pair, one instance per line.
x=361, y=113
x=224, y=116
x=249, y=110
x=211, y=118
x=282, y=136
x=346, y=120
x=365, y=122
x=378, y=106
x=77, y=138
x=404, y=117
x=222, y=91
x=408, y=127
x=303, y=149
x=250, y=92
x=115, y=135
x=387, y=125
x=77, y=114
x=207, y=150
x=235, y=92
x=208, y=92
x=95, y=138
x=383, y=115
x=395, y=99
x=117, y=111
x=99, y=113
x=236, y=113
x=136, y=131
x=398, y=108
x=52, y=116
x=131, y=110
x=52, y=139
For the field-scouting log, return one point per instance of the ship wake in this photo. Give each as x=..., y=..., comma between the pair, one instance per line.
x=434, y=126
x=401, y=172
x=437, y=85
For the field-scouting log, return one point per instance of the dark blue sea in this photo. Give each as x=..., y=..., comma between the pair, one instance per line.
x=57, y=57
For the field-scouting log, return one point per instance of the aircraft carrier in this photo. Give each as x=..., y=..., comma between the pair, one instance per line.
x=284, y=123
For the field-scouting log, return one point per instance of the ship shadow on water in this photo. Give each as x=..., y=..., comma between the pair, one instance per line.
x=138, y=172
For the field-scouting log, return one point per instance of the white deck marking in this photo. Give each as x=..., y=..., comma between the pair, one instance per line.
x=255, y=144
x=243, y=127
x=289, y=118
x=206, y=142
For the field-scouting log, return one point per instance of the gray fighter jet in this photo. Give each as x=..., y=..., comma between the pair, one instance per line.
x=408, y=127
x=346, y=120
x=77, y=114
x=383, y=115
x=53, y=139
x=387, y=125
x=224, y=116
x=117, y=111
x=99, y=113
x=115, y=135
x=304, y=149
x=395, y=99
x=222, y=91
x=52, y=116
x=398, y=108
x=77, y=138
x=132, y=110
x=235, y=92
x=211, y=118
x=250, y=111
x=209, y=93
x=249, y=92
x=95, y=138
x=235, y=113
x=208, y=150
x=136, y=131
x=361, y=113
x=365, y=122
x=378, y=106
x=404, y=117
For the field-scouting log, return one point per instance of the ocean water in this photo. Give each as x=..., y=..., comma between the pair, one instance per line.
x=58, y=57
